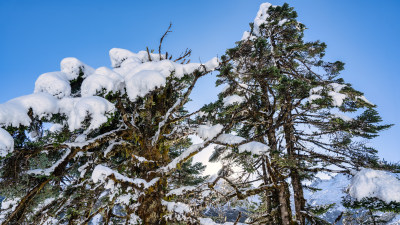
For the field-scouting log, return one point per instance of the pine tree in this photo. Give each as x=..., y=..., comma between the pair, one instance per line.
x=291, y=122
x=94, y=145
x=189, y=173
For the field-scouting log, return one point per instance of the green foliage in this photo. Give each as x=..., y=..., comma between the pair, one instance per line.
x=371, y=203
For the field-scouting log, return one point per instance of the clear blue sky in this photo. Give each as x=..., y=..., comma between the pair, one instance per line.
x=36, y=35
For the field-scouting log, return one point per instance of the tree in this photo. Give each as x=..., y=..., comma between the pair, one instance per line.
x=291, y=122
x=188, y=174
x=95, y=144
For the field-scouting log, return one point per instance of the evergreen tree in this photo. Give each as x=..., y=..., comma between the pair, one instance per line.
x=189, y=173
x=94, y=145
x=291, y=119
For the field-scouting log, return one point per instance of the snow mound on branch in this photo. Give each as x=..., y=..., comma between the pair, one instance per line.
x=102, y=79
x=142, y=75
x=230, y=139
x=333, y=91
x=256, y=148
x=119, y=55
x=337, y=97
x=15, y=112
x=41, y=104
x=141, y=83
x=54, y=83
x=77, y=109
x=260, y=19
x=181, y=190
x=233, y=99
x=13, y=115
x=72, y=67
x=375, y=183
x=100, y=173
x=6, y=143
x=176, y=207
x=207, y=133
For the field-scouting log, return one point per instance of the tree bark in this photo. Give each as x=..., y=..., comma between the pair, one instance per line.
x=284, y=200
x=299, y=201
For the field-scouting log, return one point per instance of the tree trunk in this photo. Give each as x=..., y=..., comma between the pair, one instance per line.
x=271, y=198
x=151, y=210
x=284, y=200
x=299, y=200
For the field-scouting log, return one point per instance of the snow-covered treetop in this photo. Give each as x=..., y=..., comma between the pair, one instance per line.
x=135, y=74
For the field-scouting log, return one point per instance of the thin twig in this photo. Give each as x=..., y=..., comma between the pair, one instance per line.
x=162, y=38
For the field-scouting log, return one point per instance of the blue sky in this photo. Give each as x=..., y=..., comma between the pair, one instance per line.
x=36, y=35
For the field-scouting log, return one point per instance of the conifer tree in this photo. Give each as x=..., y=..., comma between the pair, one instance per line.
x=94, y=145
x=189, y=173
x=294, y=115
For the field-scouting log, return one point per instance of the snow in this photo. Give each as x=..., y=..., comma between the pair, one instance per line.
x=256, y=148
x=333, y=91
x=9, y=203
x=280, y=23
x=118, y=55
x=233, y=99
x=375, y=183
x=81, y=138
x=343, y=117
x=102, y=79
x=72, y=67
x=142, y=76
x=188, y=152
x=314, y=97
x=54, y=83
x=77, y=109
x=13, y=115
x=363, y=98
x=100, y=173
x=332, y=191
x=335, y=95
x=55, y=127
x=176, y=207
x=207, y=133
x=141, y=83
x=230, y=139
x=82, y=169
x=97, y=219
x=316, y=90
x=211, y=64
x=181, y=190
x=6, y=143
x=40, y=103
x=15, y=111
x=261, y=17
x=209, y=221
x=49, y=171
x=337, y=98
x=111, y=146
